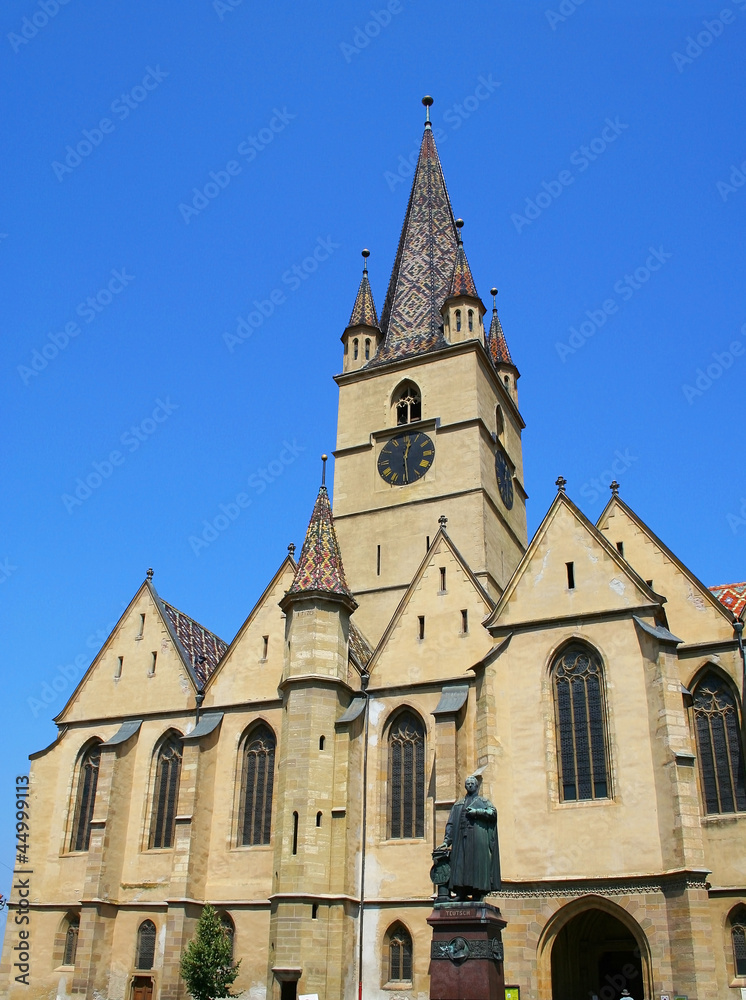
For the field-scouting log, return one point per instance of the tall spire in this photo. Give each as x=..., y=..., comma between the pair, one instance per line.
x=462, y=282
x=320, y=569
x=498, y=345
x=364, y=311
x=421, y=278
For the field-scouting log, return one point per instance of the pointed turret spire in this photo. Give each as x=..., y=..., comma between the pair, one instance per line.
x=364, y=311
x=423, y=268
x=462, y=282
x=320, y=569
x=498, y=345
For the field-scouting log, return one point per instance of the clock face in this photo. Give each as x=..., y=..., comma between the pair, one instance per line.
x=504, y=478
x=406, y=458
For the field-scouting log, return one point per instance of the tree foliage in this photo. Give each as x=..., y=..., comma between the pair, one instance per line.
x=206, y=964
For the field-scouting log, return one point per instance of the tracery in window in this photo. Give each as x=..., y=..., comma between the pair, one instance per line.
x=582, y=749
x=738, y=940
x=719, y=748
x=398, y=955
x=408, y=404
x=85, y=799
x=406, y=745
x=257, y=784
x=166, y=794
x=145, y=945
x=229, y=929
x=71, y=940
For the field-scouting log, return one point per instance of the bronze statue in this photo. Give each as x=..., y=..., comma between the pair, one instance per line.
x=471, y=835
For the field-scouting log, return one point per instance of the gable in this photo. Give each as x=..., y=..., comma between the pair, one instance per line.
x=693, y=612
x=447, y=648
x=541, y=585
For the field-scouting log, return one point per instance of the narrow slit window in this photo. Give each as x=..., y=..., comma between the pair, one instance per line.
x=322, y=741
x=151, y=668
x=570, y=575
x=367, y=350
x=464, y=621
x=295, y=833
x=118, y=667
x=314, y=911
x=142, y=627
x=355, y=347
x=421, y=626
x=427, y=543
x=318, y=818
x=649, y=583
x=458, y=319
x=471, y=320
x=620, y=548
x=378, y=560
x=506, y=380
x=442, y=578
x=265, y=646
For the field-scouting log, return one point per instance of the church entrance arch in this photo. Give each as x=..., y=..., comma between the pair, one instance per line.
x=592, y=948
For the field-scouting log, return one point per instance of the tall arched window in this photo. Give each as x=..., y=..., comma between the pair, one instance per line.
x=72, y=930
x=166, y=797
x=397, y=959
x=471, y=319
x=580, y=722
x=145, y=945
x=407, y=777
x=408, y=404
x=458, y=319
x=85, y=799
x=257, y=782
x=719, y=746
x=229, y=929
x=738, y=940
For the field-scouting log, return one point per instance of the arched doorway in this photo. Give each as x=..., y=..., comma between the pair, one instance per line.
x=595, y=954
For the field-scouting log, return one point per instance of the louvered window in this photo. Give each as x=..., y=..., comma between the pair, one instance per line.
x=407, y=777
x=581, y=731
x=258, y=782
x=719, y=746
x=86, y=799
x=145, y=945
x=400, y=955
x=71, y=941
x=168, y=772
x=738, y=939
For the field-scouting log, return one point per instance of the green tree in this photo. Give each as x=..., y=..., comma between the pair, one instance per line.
x=206, y=964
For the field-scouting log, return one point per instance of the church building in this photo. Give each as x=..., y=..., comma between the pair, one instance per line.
x=299, y=777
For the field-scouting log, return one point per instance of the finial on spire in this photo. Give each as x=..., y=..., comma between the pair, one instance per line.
x=291, y=549
x=614, y=487
x=460, y=226
x=149, y=574
x=560, y=484
x=365, y=254
x=443, y=521
x=324, y=459
x=493, y=293
x=428, y=102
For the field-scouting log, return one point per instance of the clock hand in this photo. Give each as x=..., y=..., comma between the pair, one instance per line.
x=406, y=453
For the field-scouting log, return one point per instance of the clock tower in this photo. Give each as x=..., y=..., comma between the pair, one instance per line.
x=428, y=422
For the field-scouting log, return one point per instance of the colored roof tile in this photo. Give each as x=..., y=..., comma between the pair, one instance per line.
x=364, y=311
x=423, y=268
x=360, y=649
x=204, y=648
x=462, y=282
x=320, y=564
x=732, y=596
x=498, y=346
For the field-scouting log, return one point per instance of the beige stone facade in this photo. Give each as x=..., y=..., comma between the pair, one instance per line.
x=315, y=759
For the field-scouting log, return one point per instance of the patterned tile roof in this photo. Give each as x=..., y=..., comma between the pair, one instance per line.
x=360, y=649
x=204, y=648
x=320, y=564
x=732, y=595
x=364, y=311
x=498, y=346
x=462, y=282
x=423, y=268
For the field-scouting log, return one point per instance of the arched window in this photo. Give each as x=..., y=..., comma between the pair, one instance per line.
x=738, y=940
x=407, y=777
x=166, y=797
x=471, y=319
x=367, y=349
x=145, y=945
x=580, y=722
x=397, y=960
x=458, y=319
x=719, y=746
x=257, y=784
x=71, y=940
x=229, y=929
x=355, y=346
x=85, y=799
x=408, y=404
x=499, y=422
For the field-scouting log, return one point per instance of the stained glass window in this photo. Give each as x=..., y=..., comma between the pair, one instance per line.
x=399, y=955
x=407, y=777
x=719, y=746
x=581, y=731
x=257, y=783
x=145, y=945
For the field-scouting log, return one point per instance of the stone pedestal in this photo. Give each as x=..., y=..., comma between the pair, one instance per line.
x=466, y=954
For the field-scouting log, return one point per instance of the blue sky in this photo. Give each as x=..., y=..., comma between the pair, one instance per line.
x=173, y=163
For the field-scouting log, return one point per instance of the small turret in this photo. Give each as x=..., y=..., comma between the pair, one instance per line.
x=497, y=347
x=362, y=336
x=463, y=309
